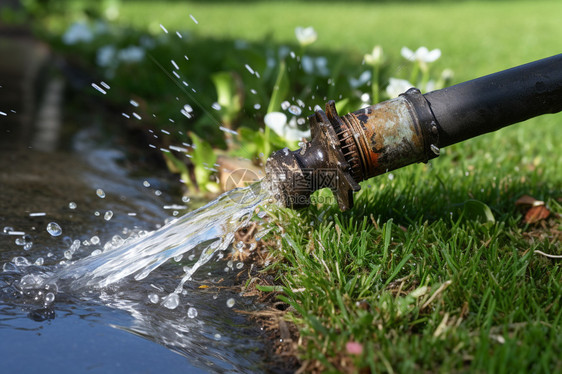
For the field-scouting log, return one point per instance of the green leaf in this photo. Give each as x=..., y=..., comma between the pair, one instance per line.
x=475, y=210
x=203, y=158
x=229, y=96
x=342, y=106
x=270, y=288
x=178, y=167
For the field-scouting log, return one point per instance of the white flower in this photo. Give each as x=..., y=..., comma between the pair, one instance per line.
x=277, y=121
x=105, y=56
x=397, y=86
x=422, y=54
x=375, y=57
x=363, y=78
x=318, y=65
x=131, y=54
x=77, y=32
x=306, y=35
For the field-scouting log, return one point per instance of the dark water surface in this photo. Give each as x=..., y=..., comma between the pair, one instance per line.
x=48, y=164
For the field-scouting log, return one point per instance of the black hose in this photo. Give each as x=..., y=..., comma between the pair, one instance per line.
x=497, y=100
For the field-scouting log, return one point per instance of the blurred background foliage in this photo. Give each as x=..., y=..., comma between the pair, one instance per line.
x=215, y=69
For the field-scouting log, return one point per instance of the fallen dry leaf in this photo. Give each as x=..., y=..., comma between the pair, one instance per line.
x=536, y=214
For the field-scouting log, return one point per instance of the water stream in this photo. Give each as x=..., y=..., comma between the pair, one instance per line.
x=90, y=279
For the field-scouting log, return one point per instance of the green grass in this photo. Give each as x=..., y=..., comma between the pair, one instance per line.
x=476, y=37
x=353, y=276
x=420, y=285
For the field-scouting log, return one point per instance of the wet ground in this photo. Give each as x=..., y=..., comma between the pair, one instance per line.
x=55, y=170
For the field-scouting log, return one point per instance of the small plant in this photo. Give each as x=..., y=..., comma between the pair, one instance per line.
x=262, y=92
x=200, y=176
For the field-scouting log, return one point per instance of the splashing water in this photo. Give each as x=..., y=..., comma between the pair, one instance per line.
x=210, y=228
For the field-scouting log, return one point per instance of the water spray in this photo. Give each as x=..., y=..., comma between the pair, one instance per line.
x=345, y=150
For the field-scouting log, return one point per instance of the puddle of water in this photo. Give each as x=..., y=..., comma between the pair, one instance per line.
x=64, y=309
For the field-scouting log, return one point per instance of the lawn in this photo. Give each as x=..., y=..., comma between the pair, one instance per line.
x=476, y=37
x=436, y=268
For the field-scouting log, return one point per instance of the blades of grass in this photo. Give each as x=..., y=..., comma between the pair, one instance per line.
x=397, y=268
x=386, y=235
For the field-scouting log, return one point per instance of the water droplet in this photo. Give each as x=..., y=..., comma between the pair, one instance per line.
x=96, y=252
x=285, y=105
x=100, y=193
x=192, y=312
x=68, y=255
x=7, y=230
x=239, y=265
x=230, y=302
x=217, y=336
x=39, y=261
x=95, y=240
x=171, y=301
x=107, y=216
x=27, y=246
x=54, y=229
x=29, y=281
x=49, y=298
x=178, y=258
x=434, y=149
x=295, y=110
x=185, y=199
x=98, y=88
x=75, y=245
x=116, y=241
x=153, y=298
x=216, y=106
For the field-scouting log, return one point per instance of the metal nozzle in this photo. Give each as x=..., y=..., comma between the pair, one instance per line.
x=346, y=150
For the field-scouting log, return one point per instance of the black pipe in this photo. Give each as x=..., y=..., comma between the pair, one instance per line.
x=489, y=103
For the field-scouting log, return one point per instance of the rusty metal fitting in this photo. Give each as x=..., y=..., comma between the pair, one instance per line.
x=346, y=150
x=411, y=128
